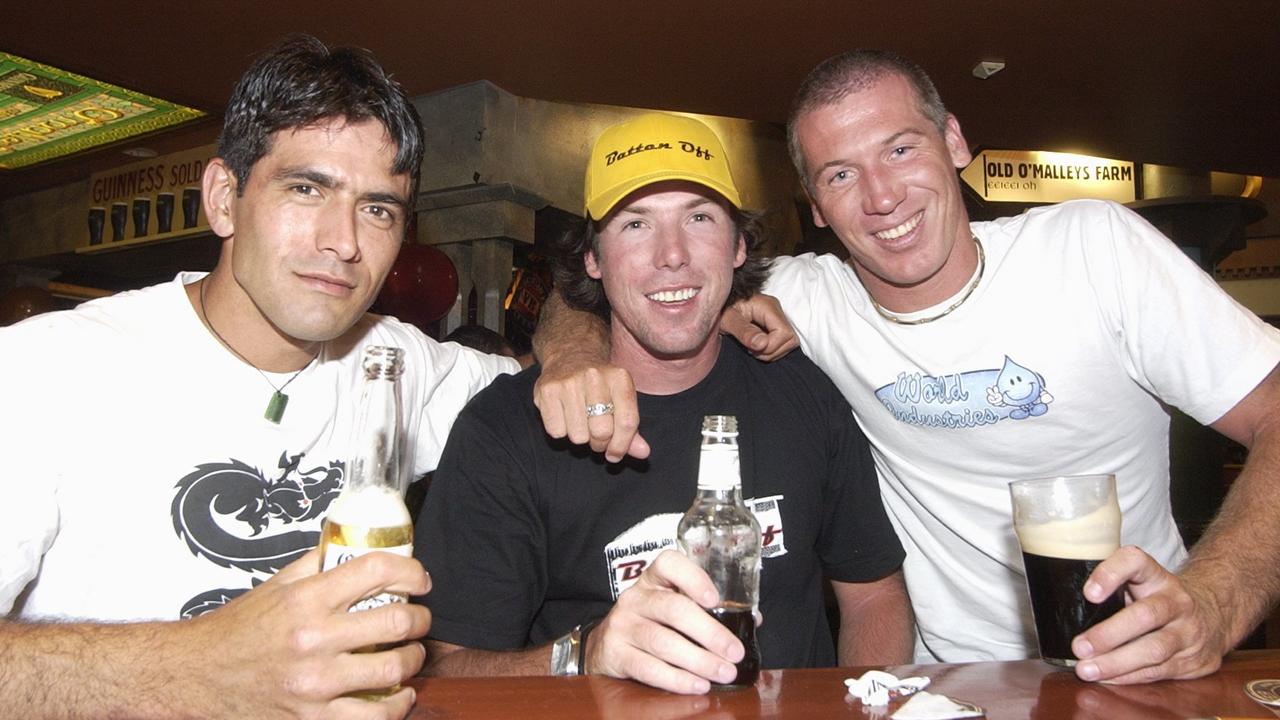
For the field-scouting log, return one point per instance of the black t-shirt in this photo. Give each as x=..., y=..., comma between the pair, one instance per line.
x=526, y=537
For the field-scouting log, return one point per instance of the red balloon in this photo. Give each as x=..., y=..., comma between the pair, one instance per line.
x=21, y=303
x=421, y=286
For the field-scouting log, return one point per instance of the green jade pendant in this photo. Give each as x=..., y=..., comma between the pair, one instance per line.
x=275, y=408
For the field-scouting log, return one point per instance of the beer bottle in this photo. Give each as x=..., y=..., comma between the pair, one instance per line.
x=369, y=513
x=723, y=538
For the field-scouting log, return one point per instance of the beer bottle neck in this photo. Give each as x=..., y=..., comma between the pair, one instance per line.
x=719, y=496
x=718, y=468
x=375, y=455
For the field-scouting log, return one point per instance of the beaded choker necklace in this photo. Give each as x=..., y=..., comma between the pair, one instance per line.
x=982, y=266
x=279, y=401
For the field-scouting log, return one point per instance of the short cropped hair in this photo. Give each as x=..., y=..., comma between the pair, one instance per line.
x=580, y=290
x=854, y=71
x=302, y=82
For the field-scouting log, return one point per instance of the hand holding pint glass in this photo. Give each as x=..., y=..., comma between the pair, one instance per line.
x=1067, y=526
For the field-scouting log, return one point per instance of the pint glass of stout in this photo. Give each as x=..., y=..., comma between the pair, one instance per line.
x=164, y=212
x=1066, y=526
x=97, y=220
x=119, y=219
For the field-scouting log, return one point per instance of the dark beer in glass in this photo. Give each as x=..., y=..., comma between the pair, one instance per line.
x=1066, y=526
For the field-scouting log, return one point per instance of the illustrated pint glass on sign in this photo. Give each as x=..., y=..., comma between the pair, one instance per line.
x=1066, y=526
x=141, y=216
x=190, y=207
x=97, y=220
x=164, y=212
x=119, y=220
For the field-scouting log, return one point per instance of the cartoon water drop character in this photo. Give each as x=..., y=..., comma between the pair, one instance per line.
x=1020, y=388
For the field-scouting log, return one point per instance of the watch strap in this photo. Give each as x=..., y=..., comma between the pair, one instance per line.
x=583, y=631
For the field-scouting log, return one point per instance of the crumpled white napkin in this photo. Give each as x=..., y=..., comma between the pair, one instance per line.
x=928, y=706
x=875, y=686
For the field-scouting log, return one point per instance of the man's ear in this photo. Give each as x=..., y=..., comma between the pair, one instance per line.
x=741, y=255
x=818, y=219
x=218, y=193
x=593, y=269
x=956, y=145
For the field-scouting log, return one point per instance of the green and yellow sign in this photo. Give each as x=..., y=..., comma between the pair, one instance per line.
x=46, y=113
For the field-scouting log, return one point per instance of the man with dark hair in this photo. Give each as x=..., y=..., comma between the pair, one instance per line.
x=178, y=497
x=532, y=542
x=306, y=82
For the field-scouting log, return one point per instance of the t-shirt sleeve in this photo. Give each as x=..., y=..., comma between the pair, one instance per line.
x=479, y=532
x=857, y=542
x=28, y=525
x=792, y=281
x=1181, y=336
x=28, y=486
x=453, y=375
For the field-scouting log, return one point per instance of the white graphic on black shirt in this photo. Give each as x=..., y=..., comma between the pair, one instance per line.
x=631, y=551
x=769, y=514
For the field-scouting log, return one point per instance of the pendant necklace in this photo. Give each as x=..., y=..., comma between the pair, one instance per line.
x=279, y=401
x=977, y=277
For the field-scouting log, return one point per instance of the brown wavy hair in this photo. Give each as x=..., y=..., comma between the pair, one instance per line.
x=580, y=290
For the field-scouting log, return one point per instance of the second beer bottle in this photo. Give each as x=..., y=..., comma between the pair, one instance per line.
x=721, y=535
x=369, y=514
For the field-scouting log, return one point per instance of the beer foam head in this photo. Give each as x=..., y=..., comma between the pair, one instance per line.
x=370, y=507
x=1067, y=517
x=1092, y=537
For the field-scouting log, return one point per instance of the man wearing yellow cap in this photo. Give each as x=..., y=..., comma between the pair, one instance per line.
x=548, y=560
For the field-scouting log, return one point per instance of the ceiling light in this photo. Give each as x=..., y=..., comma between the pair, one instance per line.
x=986, y=68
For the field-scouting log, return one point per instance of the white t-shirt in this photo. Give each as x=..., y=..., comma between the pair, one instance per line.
x=1085, y=319
x=141, y=479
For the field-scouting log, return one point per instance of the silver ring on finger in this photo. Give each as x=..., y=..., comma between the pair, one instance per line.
x=598, y=409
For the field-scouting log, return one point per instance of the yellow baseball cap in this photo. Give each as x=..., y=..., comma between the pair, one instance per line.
x=652, y=148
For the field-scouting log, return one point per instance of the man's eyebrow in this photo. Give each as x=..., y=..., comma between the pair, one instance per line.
x=894, y=138
x=698, y=202
x=640, y=208
x=887, y=142
x=310, y=174
x=837, y=162
x=325, y=180
x=387, y=198
x=636, y=208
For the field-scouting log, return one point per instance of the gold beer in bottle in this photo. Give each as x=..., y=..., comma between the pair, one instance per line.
x=369, y=513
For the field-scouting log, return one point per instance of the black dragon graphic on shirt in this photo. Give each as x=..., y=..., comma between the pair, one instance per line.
x=233, y=515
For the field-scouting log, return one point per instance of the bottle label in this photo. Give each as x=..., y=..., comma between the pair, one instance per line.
x=718, y=468
x=335, y=555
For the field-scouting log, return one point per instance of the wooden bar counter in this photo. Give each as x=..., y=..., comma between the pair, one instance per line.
x=1007, y=690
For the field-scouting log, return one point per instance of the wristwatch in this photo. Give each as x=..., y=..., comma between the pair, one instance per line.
x=564, y=653
x=568, y=652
